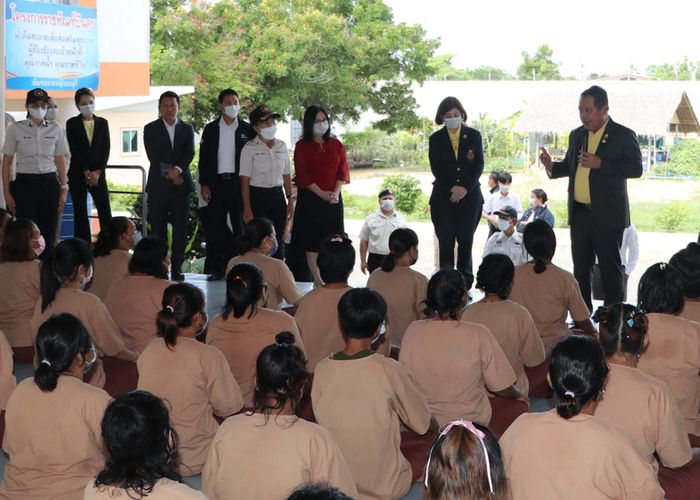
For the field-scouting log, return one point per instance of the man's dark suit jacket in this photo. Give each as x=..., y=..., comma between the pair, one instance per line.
x=463, y=171
x=160, y=150
x=84, y=155
x=209, y=149
x=621, y=159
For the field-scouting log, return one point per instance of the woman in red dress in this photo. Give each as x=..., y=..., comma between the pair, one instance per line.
x=321, y=169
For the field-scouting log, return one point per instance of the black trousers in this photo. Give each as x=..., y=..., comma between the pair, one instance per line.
x=171, y=206
x=588, y=240
x=456, y=222
x=597, y=283
x=100, y=196
x=205, y=219
x=374, y=261
x=271, y=204
x=36, y=198
x=225, y=204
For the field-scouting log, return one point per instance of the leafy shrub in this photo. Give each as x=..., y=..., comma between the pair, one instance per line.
x=671, y=216
x=406, y=191
x=685, y=158
x=400, y=149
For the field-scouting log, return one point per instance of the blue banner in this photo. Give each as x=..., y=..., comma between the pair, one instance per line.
x=50, y=46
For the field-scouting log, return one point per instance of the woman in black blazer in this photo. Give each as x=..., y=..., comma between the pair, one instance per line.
x=457, y=161
x=88, y=140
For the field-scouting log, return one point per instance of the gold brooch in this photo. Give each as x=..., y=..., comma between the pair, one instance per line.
x=470, y=155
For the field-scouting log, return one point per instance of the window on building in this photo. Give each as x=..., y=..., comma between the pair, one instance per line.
x=130, y=141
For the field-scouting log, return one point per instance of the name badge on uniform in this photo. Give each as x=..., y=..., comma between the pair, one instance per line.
x=470, y=155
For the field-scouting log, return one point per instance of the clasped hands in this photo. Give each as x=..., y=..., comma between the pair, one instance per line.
x=91, y=177
x=457, y=193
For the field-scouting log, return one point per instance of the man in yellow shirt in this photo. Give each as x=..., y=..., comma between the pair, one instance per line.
x=602, y=155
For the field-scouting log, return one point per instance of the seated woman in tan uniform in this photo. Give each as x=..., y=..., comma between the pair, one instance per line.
x=135, y=300
x=456, y=363
x=64, y=276
x=53, y=420
x=141, y=450
x=112, y=255
x=635, y=401
x=673, y=355
x=509, y=322
x=547, y=291
x=243, y=329
x=193, y=377
x=7, y=378
x=19, y=265
x=687, y=263
x=268, y=452
x=258, y=244
x=568, y=452
x=403, y=288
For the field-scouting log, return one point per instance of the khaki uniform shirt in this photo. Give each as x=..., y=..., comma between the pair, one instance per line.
x=109, y=269
x=279, y=279
x=17, y=303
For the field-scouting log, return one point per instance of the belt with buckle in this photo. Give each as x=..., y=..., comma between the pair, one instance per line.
x=227, y=176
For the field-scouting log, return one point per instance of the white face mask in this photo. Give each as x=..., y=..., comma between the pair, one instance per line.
x=503, y=188
x=503, y=224
x=533, y=202
x=268, y=133
x=86, y=279
x=454, y=122
x=87, y=110
x=232, y=110
x=51, y=114
x=387, y=205
x=37, y=113
x=321, y=128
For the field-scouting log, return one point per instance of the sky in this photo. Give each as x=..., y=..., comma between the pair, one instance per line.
x=605, y=36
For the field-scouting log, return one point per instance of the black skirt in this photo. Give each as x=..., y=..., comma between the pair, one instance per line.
x=315, y=220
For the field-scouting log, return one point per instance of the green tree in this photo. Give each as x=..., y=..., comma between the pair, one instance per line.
x=685, y=158
x=406, y=191
x=347, y=55
x=539, y=66
x=682, y=70
x=441, y=68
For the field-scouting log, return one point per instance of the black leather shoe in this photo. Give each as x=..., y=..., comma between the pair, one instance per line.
x=176, y=276
x=215, y=277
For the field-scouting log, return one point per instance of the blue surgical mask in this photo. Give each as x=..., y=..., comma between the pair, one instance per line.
x=321, y=128
x=454, y=122
x=503, y=224
x=532, y=202
x=51, y=114
x=275, y=246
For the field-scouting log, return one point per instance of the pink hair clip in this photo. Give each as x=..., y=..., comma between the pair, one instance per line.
x=239, y=278
x=479, y=434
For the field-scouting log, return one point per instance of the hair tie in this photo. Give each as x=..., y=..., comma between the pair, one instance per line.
x=336, y=238
x=480, y=436
x=46, y=362
x=662, y=266
x=283, y=345
x=239, y=278
x=570, y=394
x=170, y=308
x=630, y=322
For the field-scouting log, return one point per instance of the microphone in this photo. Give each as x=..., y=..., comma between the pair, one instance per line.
x=584, y=142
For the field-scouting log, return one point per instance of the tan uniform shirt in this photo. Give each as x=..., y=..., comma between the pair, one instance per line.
x=363, y=403
x=404, y=291
x=254, y=459
x=691, y=310
x=549, y=296
x=134, y=302
x=53, y=439
x=673, y=356
x=17, y=303
x=94, y=315
x=195, y=379
x=7, y=379
x=164, y=489
x=454, y=362
x=583, y=458
x=515, y=332
x=109, y=269
x=317, y=319
x=645, y=408
x=242, y=339
x=280, y=280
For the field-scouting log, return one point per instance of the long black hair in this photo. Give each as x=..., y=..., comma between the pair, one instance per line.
x=687, y=263
x=244, y=287
x=540, y=242
x=623, y=328
x=59, y=340
x=495, y=275
x=181, y=302
x=309, y=121
x=108, y=237
x=577, y=370
x=445, y=294
x=254, y=234
x=401, y=240
x=149, y=258
x=661, y=290
x=141, y=446
x=62, y=266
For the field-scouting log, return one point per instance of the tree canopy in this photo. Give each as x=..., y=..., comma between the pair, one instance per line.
x=539, y=66
x=442, y=69
x=347, y=55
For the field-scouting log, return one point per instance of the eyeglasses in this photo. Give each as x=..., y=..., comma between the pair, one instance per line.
x=479, y=434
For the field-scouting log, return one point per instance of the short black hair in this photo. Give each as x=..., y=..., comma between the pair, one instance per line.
x=317, y=491
x=446, y=293
x=17, y=241
x=224, y=93
x=505, y=177
x=540, y=194
x=577, y=370
x=309, y=121
x=61, y=266
x=495, y=275
x=108, y=237
x=254, y=233
x=166, y=94
x=385, y=192
x=360, y=312
x=148, y=258
x=447, y=104
x=599, y=95
x=687, y=263
x=540, y=242
x=81, y=92
x=336, y=258
x=661, y=290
